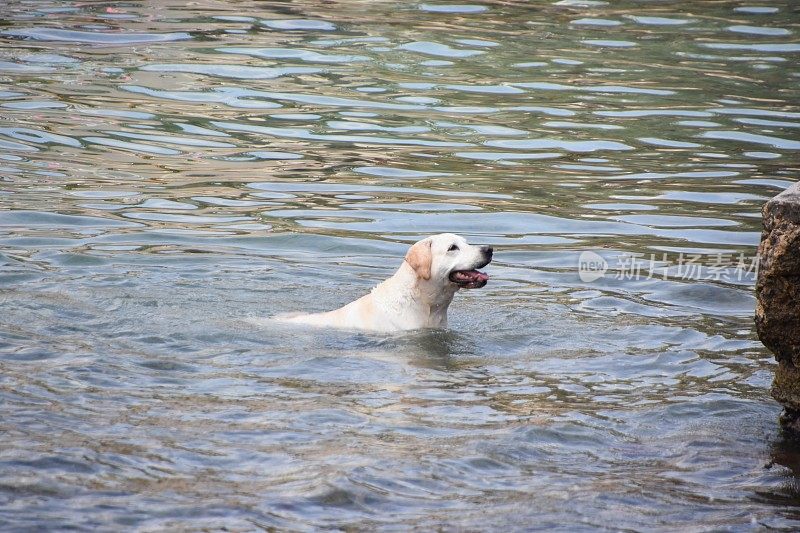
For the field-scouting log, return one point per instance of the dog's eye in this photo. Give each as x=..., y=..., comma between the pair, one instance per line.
x=452, y=248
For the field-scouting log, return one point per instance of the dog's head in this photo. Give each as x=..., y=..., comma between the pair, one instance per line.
x=449, y=259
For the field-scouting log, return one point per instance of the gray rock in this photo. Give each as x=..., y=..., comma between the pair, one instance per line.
x=778, y=297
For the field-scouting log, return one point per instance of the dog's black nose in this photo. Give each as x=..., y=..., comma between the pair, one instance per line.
x=488, y=250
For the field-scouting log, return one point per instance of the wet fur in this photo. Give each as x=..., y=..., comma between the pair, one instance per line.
x=416, y=296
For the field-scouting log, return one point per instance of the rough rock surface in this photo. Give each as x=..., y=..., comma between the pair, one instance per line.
x=778, y=294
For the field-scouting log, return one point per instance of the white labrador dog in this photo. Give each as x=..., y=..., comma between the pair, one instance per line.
x=418, y=294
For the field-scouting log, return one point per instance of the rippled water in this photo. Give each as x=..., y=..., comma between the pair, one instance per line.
x=170, y=171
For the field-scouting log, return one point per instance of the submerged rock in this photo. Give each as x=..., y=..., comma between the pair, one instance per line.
x=778, y=298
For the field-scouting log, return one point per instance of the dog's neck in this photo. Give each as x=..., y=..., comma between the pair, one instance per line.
x=432, y=296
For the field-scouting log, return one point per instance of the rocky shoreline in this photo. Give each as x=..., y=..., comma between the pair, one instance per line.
x=777, y=314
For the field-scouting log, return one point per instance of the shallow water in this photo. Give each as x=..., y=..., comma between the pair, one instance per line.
x=169, y=173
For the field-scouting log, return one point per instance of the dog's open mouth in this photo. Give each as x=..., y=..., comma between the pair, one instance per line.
x=469, y=279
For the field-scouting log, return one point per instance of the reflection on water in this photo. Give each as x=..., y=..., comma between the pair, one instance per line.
x=171, y=174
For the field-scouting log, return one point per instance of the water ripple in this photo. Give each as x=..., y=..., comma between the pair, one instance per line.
x=93, y=37
x=232, y=71
x=303, y=133
x=549, y=144
x=309, y=56
x=438, y=49
x=299, y=25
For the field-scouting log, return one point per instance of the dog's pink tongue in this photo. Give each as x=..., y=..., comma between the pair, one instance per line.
x=475, y=276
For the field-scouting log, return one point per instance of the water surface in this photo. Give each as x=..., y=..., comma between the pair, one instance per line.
x=170, y=172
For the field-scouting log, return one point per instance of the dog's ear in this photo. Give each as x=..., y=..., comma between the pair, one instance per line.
x=420, y=257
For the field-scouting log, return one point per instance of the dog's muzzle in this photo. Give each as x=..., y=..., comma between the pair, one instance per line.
x=473, y=279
